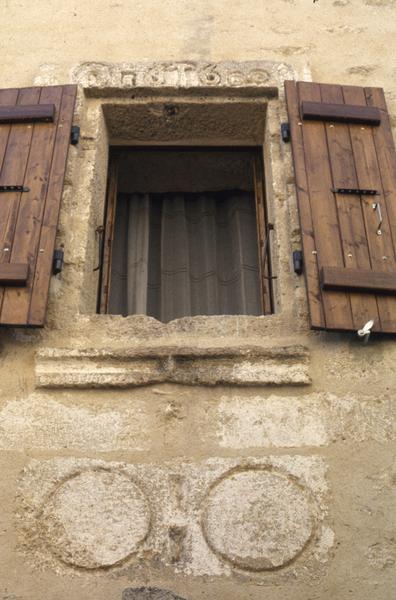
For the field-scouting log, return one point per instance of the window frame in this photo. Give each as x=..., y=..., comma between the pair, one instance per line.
x=264, y=228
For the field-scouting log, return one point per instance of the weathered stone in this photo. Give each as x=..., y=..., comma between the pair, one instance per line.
x=101, y=77
x=95, y=518
x=257, y=519
x=222, y=65
x=207, y=518
x=239, y=365
x=149, y=593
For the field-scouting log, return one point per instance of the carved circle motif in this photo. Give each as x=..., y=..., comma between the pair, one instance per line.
x=258, y=76
x=257, y=519
x=96, y=518
x=235, y=78
x=210, y=76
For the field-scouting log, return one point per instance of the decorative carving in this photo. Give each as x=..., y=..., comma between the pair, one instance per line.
x=96, y=518
x=257, y=519
x=196, y=518
x=258, y=76
x=128, y=78
x=47, y=75
x=209, y=75
x=186, y=74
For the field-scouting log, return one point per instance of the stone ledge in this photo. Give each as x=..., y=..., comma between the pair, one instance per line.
x=241, y=365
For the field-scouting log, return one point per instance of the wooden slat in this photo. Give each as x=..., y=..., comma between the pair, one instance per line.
x=31, y=113
x=15, y=305
x=14, y=274
x=41, y=280
x=368, y=172
x=386, y=158
x=349, y=208
x=359, y=280
x=344, y=113
x=337, y=306
x=6, y=97
x=13, y=170
x=311, y=272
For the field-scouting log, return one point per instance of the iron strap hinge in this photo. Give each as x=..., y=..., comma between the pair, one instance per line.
x=13, y=188
x=355, y=191
x=285, y=132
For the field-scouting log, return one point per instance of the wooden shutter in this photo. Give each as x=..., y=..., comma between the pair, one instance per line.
x=35, y=126
x=343, y=152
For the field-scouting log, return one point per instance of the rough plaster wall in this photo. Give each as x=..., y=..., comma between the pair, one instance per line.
x=109, y=484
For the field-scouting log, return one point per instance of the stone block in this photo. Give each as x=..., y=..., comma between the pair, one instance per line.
x=242, y=364
x=262, y=517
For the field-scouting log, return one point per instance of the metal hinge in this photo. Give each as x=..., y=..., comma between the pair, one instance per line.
x=355, y=191
x=298, y=262
x=13, y=188
x=57, y=262
x=285, y=132
x=75, y=135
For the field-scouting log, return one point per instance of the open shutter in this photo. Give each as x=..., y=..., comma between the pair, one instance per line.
x=345, y=168
x=35, y=125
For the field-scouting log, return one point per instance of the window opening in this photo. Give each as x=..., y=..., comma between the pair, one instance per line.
x=185, y=233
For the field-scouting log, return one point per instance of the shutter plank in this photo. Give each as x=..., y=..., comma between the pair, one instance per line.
x=13, y=172
x=337, y=306
x=386, y=155
x=368, y=174
x=15, y=306
x=349, y=208
x=41, y=280
x=311, y=272
x=7, y=97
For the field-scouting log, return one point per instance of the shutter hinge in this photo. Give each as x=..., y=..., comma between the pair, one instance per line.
x=285, y=132
x=298, y=262
x=355, y=191
x=57, y=262
x=13, y=188
x=75, y=135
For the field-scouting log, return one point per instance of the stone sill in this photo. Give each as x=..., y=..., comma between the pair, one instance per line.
x=243, y=364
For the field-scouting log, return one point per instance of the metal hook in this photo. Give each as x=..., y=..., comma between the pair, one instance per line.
x=365, y=331
x=377, y=207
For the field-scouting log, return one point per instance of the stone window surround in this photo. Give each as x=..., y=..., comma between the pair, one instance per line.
x=238, y=341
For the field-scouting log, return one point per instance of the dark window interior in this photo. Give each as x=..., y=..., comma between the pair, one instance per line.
x=183, y=234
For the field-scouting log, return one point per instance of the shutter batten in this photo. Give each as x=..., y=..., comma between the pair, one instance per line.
x=33, y=154
x=353, y=235
x=33, y=113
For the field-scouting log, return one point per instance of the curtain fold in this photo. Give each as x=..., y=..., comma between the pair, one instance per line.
x=177, y=255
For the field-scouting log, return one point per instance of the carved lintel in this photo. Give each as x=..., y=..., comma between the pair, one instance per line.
x=183, y=75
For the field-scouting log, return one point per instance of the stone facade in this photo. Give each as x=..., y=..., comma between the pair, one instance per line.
x=208, y=458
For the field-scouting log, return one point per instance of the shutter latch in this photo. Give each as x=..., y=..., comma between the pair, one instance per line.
x=365, y=331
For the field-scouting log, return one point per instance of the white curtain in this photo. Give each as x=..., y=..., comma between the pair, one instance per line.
x=185, y=254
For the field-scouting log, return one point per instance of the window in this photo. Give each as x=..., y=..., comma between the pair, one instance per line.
x=185, y=233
